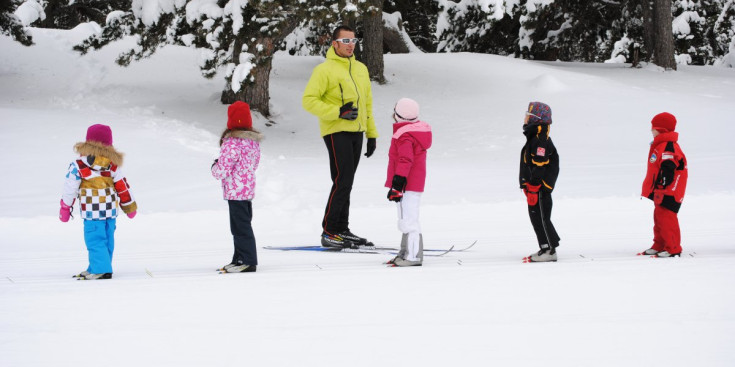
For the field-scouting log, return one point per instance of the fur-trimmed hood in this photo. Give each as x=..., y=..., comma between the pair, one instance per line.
x=92, y=148
x=244, y=134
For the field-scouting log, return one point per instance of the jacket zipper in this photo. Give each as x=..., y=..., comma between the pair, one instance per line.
x=349, y=71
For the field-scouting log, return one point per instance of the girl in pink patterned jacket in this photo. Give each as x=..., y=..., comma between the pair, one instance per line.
x=236, y=165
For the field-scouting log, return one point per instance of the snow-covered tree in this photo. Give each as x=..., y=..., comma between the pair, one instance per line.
x=67, y=14
x=238, y=37
x=570, y=30
x=420, y=18
x=17, y=15
x=625, y=41
x=724, y=35
x=692, y=30
x=478, y=26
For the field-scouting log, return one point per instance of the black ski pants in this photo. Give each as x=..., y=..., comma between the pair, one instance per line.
x=540, y=215
x=241, y=216
x=344, y=154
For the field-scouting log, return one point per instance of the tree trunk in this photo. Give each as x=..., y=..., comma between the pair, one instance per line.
x=256, y=93
x=664, y=35
x=649, y=25
x=255, y=90
x=373, y=40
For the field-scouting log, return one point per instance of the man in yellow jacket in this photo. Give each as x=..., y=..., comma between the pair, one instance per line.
x=339, y=94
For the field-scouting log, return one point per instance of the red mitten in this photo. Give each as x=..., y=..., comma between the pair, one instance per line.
x=532, y=194
x=131, y=215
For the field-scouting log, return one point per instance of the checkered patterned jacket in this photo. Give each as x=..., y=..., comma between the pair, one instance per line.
x=95, y=179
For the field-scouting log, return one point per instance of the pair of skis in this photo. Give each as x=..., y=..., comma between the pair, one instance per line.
x=367, y=249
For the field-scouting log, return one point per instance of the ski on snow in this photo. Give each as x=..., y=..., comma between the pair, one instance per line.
x=366, y=249
x=527, y=259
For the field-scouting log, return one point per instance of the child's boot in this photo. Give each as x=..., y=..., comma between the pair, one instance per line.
x=91, y=276
x=545, y=254
x=241, y=269
x=402, y=251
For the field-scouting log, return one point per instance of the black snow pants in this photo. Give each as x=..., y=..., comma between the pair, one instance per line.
x=540, y=215
x=344, y=154
x=241, y=215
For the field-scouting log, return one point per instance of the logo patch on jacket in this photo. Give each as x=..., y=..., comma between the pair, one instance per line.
x=653, y=158
x=540, y=152
x=666, y=156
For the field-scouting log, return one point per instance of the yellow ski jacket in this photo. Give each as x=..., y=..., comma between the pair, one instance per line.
x=336, y=81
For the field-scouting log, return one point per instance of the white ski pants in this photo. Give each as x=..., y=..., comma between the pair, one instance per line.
x=408, y=223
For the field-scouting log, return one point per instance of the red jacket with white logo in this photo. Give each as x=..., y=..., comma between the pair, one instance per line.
x=667, y=171
x=407, y=154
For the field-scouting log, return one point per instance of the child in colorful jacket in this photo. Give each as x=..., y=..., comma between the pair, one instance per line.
x=538, y=172
x=665, y=184
x=406, y=178
x=236, y=165
x=95, y=179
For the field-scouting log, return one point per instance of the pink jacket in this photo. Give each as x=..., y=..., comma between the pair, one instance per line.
x=407, y=154
x=238, y=160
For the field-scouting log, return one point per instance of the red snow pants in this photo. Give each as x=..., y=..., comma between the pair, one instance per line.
x=666, y=233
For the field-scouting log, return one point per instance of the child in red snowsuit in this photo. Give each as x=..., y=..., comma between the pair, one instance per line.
x=665, y=184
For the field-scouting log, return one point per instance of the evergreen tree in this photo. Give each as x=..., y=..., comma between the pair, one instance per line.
x=477, y=26
x=420, y=17
x=625, y=35
x=723, y=35
x=690, y=31
x=239, y=37
x=66, y=14
x=568, y=30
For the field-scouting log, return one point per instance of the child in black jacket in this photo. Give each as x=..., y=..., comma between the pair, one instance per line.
x=538, y=173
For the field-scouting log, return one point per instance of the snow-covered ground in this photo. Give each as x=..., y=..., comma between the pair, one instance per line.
x=598, y=306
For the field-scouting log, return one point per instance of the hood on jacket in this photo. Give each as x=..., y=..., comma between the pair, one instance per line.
x=244, y=134
x=99, y=153
x=419, y=130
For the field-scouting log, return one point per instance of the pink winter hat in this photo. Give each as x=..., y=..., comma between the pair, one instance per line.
x=664, y=122
x=406, y=110
x=100, y=133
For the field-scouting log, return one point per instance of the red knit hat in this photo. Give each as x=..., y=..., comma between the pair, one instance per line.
x=100, y=133
x=238, y=116
x=664, y=122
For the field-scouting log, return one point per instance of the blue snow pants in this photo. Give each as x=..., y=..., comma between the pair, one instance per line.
x=99, y=236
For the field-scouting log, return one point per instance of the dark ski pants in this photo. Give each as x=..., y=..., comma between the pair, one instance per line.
x=540, y=215
x=344, y=154
x=241, y=215
x=666, y=232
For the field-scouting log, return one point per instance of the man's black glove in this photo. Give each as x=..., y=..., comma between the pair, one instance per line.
x=348, y=112
x=370, y=147
x=398, y=186
x=215, y=162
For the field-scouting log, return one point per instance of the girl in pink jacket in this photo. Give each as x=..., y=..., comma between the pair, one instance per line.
x=406, y=178
x=236, y=165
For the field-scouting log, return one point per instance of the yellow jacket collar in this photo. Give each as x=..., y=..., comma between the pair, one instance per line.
x=332, y=55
